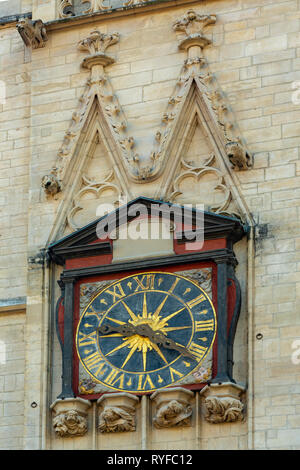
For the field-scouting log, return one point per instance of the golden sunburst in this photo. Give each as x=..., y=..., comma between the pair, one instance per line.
x=143, y=343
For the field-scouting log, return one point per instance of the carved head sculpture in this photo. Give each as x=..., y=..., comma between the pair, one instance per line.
x=116, y=419
x=69, y=423
x=237, y=155
x=72, y=419
x=173, y=409
x=50, y=184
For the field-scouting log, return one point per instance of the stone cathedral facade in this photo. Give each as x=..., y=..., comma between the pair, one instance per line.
x=150, y=234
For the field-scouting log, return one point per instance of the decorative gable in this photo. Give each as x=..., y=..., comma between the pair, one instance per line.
x=195, y=150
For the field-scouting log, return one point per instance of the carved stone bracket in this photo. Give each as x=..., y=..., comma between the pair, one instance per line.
x=33, y=33
x=223, y=402
x=173, y=407
x=238, y=156
x=117, y=412
x=50, y=184
x=70, y=416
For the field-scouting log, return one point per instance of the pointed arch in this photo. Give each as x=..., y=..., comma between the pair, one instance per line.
x=94, y=129
x=197, y=109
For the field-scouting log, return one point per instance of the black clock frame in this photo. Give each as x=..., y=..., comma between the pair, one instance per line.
x=78, y=245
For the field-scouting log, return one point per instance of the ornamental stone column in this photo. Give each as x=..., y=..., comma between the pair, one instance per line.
x=192, y=39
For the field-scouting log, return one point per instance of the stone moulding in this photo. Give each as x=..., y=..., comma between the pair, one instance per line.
x=97, y=99
x=223, y=402
x=70, y=417
x=33, y=33
x=173, y=407
x=92, y=187
x=117, y=412
x=196, y=87
x=66, y=7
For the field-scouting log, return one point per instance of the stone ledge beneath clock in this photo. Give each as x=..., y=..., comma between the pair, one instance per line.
x=223, y=402
x=70, y=416
x=173, y=407
x=117, y=412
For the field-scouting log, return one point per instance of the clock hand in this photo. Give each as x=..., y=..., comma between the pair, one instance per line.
x=168, y=343
x=125, y=330
x=145, y=330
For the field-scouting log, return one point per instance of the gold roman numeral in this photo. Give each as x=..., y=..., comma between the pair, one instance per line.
x=197, y=350
x=196, y=301
x=205, y=325
x=94, y=360
x=113, y=377
x=145, y=282
x=143, y=382
x=116, y=292
x=175, y=372
x=92, y=312
x=86, y=340
x=174, y=285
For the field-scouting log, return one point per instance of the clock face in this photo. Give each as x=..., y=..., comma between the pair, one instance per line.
x=146, y=331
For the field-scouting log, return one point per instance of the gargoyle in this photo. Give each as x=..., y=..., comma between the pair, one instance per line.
x=33, y=33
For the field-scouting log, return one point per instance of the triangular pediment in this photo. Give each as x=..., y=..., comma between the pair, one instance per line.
x=86, y=241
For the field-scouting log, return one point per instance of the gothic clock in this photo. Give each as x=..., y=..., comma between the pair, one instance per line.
x=145, y=331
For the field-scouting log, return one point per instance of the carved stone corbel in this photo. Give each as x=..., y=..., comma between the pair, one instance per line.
x=173, y=407
x=117, y=412
x=238, y=156
x=33, y=33
x=70, y=416
x=223, y=402
x=50, y=184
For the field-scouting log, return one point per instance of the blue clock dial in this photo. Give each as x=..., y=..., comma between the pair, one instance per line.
x=146, y=331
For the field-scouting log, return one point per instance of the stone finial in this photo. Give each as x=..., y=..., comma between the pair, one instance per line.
x=192, y=25
x=70, y=416
x=117, y=412
x=33, y=33
x=223, y=403
x=96, y=44
x=173, y=407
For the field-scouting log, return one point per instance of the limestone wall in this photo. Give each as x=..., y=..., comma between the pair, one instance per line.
x=12, y=366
